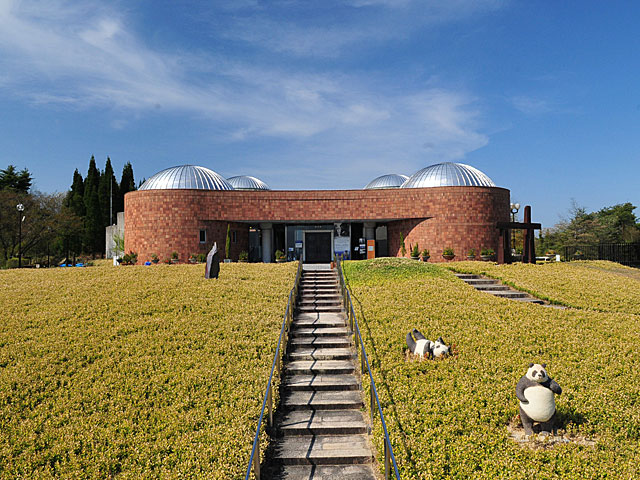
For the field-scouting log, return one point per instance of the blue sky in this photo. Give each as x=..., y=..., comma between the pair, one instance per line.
x=544, y=97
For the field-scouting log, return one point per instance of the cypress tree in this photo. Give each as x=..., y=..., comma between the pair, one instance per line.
x=127, y=184
x=108, y=187
x=93, y=224
x=75, y=196
x=75, y=203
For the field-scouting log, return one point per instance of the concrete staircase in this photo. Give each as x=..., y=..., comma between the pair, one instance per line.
x=495, y=287
x=320, y=429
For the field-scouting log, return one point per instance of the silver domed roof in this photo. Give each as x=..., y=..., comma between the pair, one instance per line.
x=186, y=177
x=448, y=175
x=247, y=182
x=391, y=180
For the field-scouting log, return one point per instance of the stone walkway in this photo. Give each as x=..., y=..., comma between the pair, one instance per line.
x=495, y=287
x=321, y=432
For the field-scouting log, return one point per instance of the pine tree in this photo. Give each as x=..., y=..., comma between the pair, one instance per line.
x=93, y=224
x=10, y=179
x=107, y=192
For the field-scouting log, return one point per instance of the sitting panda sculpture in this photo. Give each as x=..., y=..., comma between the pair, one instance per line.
x=421, y=346
x=536, y=390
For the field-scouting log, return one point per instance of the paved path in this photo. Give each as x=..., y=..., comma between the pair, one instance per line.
x=321, y=432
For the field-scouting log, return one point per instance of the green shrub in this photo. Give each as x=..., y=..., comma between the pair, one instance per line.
x=415, y=251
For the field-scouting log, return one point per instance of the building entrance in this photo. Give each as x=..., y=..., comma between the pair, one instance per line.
x=317, y=247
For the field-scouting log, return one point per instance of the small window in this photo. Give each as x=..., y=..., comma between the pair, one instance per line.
x=234, y=236
x=203, y=236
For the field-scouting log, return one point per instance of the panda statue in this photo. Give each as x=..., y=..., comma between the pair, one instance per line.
x=536, y=390
x=419, y=345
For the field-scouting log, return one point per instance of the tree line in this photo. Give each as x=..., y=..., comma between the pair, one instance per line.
x=615, y=224
x=60, y=225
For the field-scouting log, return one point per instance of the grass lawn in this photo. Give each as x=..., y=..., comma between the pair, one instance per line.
x=451, y=418
x=139, y=372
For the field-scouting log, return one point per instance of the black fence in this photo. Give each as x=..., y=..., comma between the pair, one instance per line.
x=624, y=253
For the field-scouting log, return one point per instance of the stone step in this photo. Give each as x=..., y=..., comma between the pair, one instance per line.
x=323, y=331
x=320, y=366
x=320, y=301
x=323, y=400
x=493, y=287
x=318, y=291
x=482, y=281
x=322, y=422
x=321, y=354
x=530, y=300
x=465, y=276
x=321, y=382
x=320, y=275
x=323, y=450
x=507, y=294
x=321, y=342
x=320, y=308
x=318, y=323
x=320, y=294
x=328, y=295
x=322, y=472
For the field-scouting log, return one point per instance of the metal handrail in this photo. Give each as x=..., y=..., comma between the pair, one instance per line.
x=355, y=329
x=268, y=396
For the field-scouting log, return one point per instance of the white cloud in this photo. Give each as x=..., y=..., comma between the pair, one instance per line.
x=88, y=56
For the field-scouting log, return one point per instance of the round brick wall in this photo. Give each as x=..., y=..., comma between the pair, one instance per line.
x=163, y=221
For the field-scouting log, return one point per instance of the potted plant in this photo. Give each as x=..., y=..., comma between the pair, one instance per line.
x=154, y=259
x=425, y=255
x=448, y=253
x=578, y=255
x=167, y=261
x=471, y=254
x=415, y=252
x=129, y=258
x=486, y=254
x=403, y=249
x=174, y=257
x=280, y=256
x=193, y=258
x=243, y=256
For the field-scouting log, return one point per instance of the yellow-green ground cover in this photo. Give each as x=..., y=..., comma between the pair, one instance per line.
x=450, y=418
x=135, y=372
x=594, y=285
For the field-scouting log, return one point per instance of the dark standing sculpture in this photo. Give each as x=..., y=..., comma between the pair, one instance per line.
x=213, y=263
x=504, y=247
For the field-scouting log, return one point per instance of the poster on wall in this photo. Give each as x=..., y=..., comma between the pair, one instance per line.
x=341, y=246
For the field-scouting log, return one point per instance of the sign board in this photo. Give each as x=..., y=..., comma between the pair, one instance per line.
x=298, y=244
x=371, y=249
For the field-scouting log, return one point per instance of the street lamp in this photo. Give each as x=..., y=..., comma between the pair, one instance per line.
x=20, y=208
x=514, y=211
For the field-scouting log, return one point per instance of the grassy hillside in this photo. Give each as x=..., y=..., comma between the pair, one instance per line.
x=139, y=372
x=593, y=285
x=449, y=418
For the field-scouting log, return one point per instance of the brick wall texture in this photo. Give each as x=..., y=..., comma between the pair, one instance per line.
x=163, y=221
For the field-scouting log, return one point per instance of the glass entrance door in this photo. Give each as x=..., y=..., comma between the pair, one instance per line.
x=317, y=247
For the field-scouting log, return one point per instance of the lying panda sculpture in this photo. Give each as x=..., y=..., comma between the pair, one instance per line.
x=421, y=346
x=536, y=390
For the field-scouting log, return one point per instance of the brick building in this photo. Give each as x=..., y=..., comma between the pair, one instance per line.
x=186, y=209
